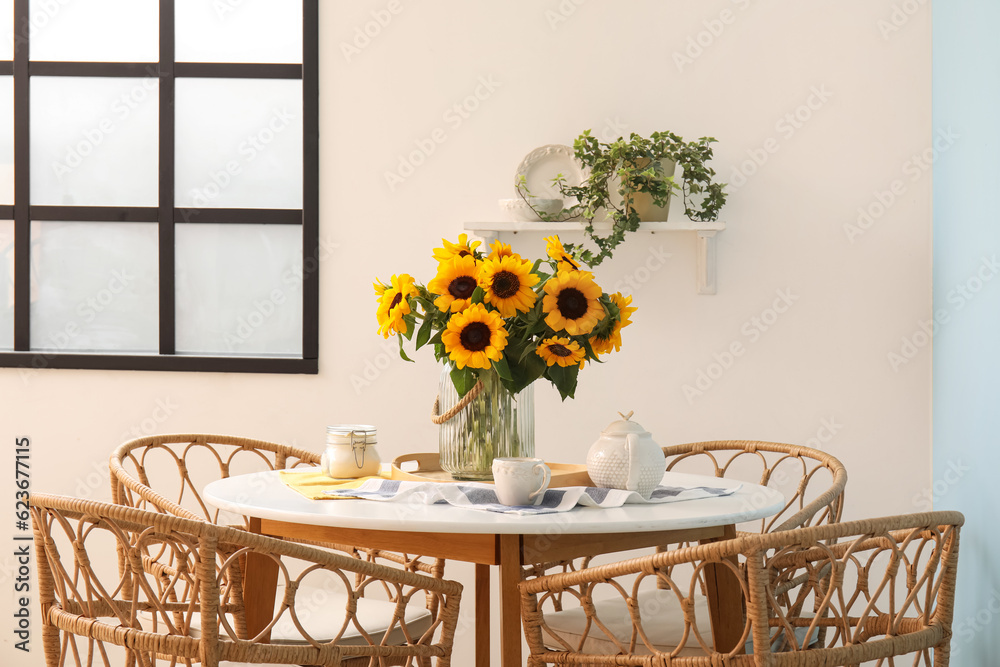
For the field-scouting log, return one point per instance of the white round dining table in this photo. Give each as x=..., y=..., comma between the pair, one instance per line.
x=490, y=538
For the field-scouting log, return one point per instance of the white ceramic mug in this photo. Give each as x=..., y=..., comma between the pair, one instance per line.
x=520, y=481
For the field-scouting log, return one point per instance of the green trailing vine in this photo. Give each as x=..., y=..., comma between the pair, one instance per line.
x=626, y=167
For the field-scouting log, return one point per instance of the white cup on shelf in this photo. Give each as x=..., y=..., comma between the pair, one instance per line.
x=520, y=481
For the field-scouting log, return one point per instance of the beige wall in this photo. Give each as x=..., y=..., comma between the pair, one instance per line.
x=818, y=371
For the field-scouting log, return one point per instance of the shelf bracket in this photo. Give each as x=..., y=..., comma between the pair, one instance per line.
x=488, y=236
x=706, y=263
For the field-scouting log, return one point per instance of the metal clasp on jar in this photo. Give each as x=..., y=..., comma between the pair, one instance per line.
x=361, y=444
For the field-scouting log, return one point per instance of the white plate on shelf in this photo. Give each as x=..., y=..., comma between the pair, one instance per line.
x=543, y=164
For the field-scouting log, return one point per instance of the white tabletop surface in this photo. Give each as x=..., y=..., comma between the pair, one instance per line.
x=264, y=495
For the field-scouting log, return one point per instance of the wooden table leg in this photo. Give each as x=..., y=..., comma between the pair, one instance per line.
x=725, y=601
x=482, y=615
x=510, y=601
x=260, y=584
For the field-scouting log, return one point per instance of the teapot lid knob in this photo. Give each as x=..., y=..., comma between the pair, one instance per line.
x=628, y=416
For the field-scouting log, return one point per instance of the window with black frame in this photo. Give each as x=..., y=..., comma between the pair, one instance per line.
x=159, y=184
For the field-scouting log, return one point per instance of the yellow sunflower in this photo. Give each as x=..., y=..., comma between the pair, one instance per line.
x=572, y=303
x=455, y=282
x=561, y=351
x=507, y=283
x=393, y=305
x=613, y=339
x=461, y=249
x=475, y=337
x=556, y=251
x=498, y=249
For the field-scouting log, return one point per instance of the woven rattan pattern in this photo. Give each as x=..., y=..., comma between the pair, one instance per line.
x=165, y=473
x=881, y=588
x=85, y=613
x=812, y=481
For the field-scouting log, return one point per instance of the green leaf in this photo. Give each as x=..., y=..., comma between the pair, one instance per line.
x=537, y=327
x=503, y=370
x=424, y=334
x=590, y=350
x=411, y=325
x=402, y=353
x=477, y=295
x=564, y=378
x=532, y=368
x=426, y=304
x=528, y=349
x=464, y=379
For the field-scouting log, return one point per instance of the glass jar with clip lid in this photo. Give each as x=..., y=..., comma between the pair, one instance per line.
x=350, y=451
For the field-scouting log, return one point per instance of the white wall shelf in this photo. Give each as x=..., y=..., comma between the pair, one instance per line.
x=705, y=265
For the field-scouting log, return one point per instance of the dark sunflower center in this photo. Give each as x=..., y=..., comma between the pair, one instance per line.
x=475, y=336
x=560, y=350
x=566, y=259
x=395, y=300
x=572, y=303
x=464, y=253
x=506, y=284
x=462, y=287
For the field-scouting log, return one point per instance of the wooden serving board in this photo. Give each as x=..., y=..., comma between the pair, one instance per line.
x=429, y=470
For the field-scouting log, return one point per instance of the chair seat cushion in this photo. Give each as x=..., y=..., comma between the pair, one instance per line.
x=662, y=621
x=323, y=621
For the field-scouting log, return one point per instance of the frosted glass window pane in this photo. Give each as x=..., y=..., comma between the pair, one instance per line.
x=6, y=285
x=239, y=31
x=94, y=287
x=94, y=141
x=95, y=30
x=239, y=289
x=6, y=140
x=6, y=29
x=239, y=143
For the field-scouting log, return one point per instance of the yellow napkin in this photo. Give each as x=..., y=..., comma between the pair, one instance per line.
x=312, y=484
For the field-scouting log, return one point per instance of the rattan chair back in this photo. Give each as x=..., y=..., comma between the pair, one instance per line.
x=880, y=588
x=166, y=473
x=812, y=481
x=182, y=614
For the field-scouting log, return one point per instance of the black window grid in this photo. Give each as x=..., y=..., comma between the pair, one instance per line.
x=166, y=215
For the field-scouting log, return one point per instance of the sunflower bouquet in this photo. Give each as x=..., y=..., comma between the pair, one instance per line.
x=496, y=316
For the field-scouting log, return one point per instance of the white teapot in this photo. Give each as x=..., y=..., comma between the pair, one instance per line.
x=625, y=457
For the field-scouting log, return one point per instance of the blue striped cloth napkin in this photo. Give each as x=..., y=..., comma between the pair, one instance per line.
x=483, y=496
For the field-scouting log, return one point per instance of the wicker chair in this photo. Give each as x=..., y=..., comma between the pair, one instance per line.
x=182, y=614
x=880, y=588
x=165, y=473
x=813, y=481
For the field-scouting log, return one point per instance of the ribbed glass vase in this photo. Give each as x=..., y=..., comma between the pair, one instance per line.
x=493, y=424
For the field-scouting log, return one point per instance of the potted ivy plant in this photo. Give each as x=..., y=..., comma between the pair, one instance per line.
x=628, y=177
